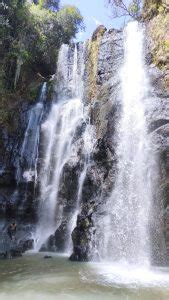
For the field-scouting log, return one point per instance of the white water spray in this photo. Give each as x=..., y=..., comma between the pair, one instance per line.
x=126, y=236
x=27, y=168
x=59, y=132
x=89, y=138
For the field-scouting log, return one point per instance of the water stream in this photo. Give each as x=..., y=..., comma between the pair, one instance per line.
x=59, y=132
x=27, y=168
x=127, y=236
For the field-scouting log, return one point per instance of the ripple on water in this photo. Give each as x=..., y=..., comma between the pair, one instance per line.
x=34, y=278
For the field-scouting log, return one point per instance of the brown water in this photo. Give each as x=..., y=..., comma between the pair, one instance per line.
x=35, y=278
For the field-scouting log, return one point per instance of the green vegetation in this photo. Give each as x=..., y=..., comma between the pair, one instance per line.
x=152, y=8
x=93, y=49
x=159, y=34
x=31, y=36
x=137, y=8
x=155, y=11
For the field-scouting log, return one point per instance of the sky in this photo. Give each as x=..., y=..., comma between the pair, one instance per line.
x=94, y=12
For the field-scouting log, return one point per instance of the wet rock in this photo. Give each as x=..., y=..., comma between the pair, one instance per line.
x=16, y=200
x=47, y=256
x=105, y=112
x=7, y=178
x=21, y=241
x=25, y=245
x=67, y=197
x=160, y=237
x=13, y=249
x=83, y=237
x=12, y=253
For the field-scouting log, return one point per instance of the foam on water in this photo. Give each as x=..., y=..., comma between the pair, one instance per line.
x=125, y=275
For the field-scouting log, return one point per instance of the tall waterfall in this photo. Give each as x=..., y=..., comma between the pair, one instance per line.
x=126, y=236
x=59, y=132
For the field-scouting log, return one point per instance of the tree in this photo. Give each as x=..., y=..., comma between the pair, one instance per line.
x=31, y=35
x=122, y=8
x=70, y=19
x=48, y=4
x=52, y=4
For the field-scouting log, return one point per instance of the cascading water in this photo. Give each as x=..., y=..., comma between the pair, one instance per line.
x=89, y=138
x=59, y=131
x=126, y=236
x=27, y=169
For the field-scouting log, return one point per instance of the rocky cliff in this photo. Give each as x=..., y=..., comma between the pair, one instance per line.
x=19, y=198
x=105, y=113
x=155, y=18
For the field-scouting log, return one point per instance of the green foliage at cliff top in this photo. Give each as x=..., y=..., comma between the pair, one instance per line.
x=155, y=12
x=152, y=8
x=31, y=35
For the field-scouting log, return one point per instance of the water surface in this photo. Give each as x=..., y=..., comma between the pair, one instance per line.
x=33, y=277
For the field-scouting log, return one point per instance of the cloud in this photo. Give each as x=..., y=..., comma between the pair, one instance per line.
x=97, y=22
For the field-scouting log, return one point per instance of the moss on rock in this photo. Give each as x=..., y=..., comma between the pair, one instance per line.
x=155, y=15
x=152, y=8
x=93, y=49
x=158, y=32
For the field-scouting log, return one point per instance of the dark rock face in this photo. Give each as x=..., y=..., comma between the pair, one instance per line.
x=105, y=114
x=19, y=243
x=67, y=196
x=11, y=195
x=19, y=200
x=17, y=195
x=16, y=249
x=66, y=207
x=12, y=142
x=83, y=236
x=101, y=175
x=160, y=236
x=158, y=120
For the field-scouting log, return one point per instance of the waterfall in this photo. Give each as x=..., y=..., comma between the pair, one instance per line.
x=68, y=139
x=59, y=131
x=27, y=166
x=59, y=134
x=89, y=138
x=126, y=235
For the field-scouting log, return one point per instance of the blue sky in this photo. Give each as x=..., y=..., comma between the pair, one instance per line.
x=95, y=12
